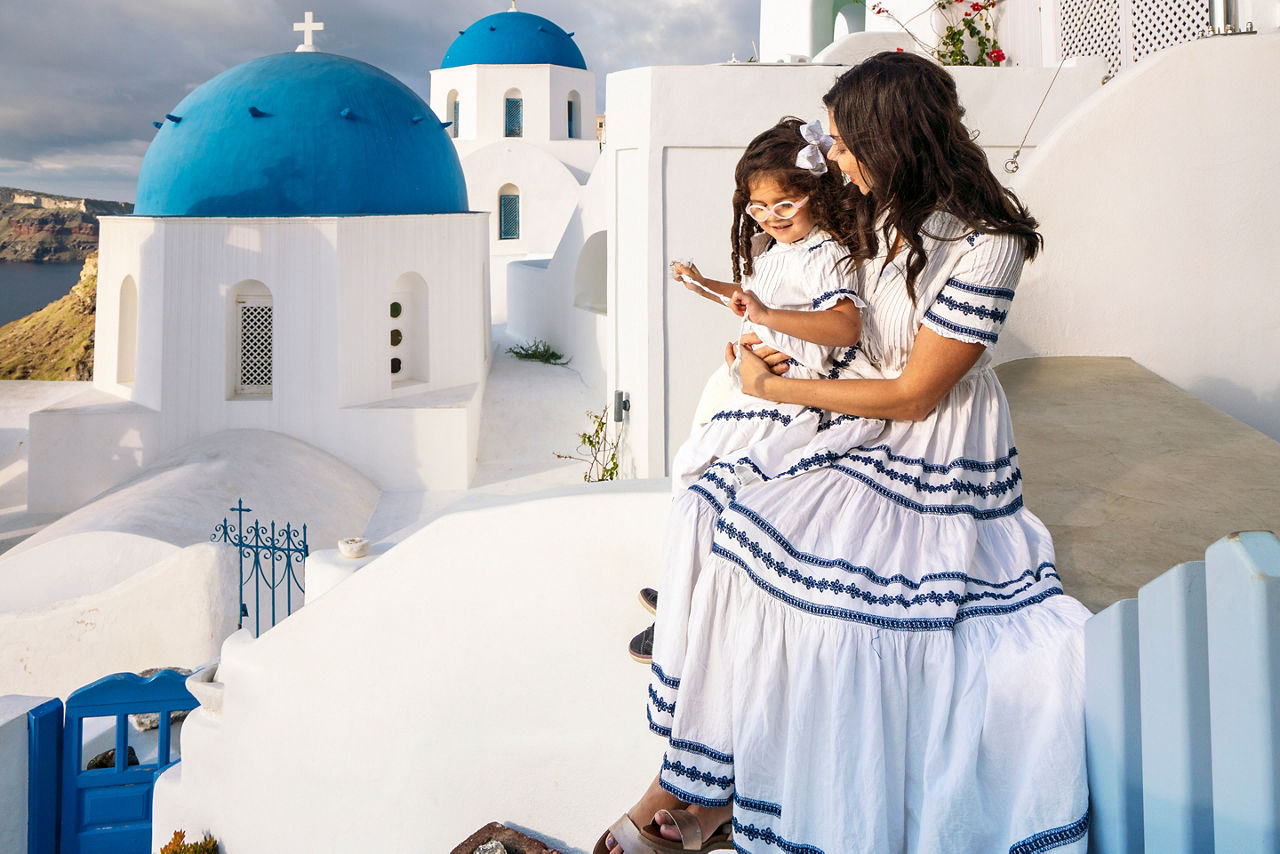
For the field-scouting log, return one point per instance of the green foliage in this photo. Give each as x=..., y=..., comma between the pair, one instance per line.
x=179, y=844
x=596, y=449
x=969, y=28
x=538, y=350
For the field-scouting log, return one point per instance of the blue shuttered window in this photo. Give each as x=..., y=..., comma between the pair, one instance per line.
x=508, y=217
x=456, y=120
x=515, y=117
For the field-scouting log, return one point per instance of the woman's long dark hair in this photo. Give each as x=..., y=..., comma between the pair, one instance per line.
x=899, y=116
x=773, y=154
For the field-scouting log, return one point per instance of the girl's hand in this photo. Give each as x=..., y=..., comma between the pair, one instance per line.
x=748, y=304
x=751, y=368
x=679, y=268
x=778, y=363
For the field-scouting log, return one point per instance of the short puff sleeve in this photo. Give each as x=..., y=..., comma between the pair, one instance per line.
x=832, y=275
x=974, y=301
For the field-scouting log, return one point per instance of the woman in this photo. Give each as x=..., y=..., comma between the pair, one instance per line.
x=876, y=654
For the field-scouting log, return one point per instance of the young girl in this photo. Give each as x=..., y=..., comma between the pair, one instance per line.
x=792, y=286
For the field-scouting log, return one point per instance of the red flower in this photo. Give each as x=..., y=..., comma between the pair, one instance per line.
x=996, y=55
x=977, y=7
x=899, y=50
x=968, y=14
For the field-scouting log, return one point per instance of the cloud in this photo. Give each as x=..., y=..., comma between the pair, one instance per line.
x=80, y=83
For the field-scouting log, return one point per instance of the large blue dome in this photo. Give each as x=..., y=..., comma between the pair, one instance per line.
x=301, y=134
x=513, y=38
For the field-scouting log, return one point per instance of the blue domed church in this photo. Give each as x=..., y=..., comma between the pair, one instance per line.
x=301, y=259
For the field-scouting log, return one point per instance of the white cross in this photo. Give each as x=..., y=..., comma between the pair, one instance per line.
x=307, y=27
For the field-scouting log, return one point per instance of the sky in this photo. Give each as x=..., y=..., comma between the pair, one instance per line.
x=82, y=80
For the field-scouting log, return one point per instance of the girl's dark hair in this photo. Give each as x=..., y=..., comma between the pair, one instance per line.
x=898, y=115
x=773, y=154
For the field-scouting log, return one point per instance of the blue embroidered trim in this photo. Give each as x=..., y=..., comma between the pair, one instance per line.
x=745, y=415
x=690, y=798
x=1054, y=837
x=998, y=293
x=1038, y=574
x=995, y=489
x=819, y=300
x=664, y=731
x=961, y=330
x=936, y=468
x=912, y=624
x=707, y=496
x=967, y=308
x=841, y=589
x=702, y=750
x=767, y=836
x=837, y=421
x=706, y=778
x=757, y=806
x=660, y=704
x=839, y=364
x=669, y=681
x=972, y=238
x=823, y=243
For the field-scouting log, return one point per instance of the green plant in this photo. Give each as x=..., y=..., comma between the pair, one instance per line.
x=179, y=844
x=538, y=350
x=596, y=449
x=969, y=25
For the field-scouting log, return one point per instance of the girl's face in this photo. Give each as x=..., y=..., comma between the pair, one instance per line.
x=765, y=190
x=844, y=158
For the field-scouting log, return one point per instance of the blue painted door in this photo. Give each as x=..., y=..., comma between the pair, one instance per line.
x=108, y=810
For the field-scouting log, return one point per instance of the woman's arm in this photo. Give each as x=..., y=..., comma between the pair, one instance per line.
x=838, y=326
x=935, y=365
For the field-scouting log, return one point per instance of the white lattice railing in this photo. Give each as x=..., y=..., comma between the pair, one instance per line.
x=1125, y=31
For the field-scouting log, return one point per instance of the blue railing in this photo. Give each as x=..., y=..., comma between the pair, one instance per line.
x=269, y=557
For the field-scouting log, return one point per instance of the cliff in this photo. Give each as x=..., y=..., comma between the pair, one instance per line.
x=45, y=228
x=56, y=342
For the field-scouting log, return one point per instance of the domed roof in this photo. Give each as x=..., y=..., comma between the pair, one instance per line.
x=301, y=134
x=513, y=38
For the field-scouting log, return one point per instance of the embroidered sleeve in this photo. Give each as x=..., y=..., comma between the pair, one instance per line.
x=974, y=301
x=831, y=278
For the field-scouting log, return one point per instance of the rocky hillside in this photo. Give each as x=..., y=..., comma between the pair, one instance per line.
x=56, y=342
x=45, y=228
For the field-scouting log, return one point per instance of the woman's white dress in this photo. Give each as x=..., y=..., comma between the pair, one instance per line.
x=810, y=274
x=863, y=644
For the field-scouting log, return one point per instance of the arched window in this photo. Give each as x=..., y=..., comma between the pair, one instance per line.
x=514, y=113
x=453, y=113
x=508, y=212
x=127, y=332
x=408, y=338
x=252, y=336
x=574, y=125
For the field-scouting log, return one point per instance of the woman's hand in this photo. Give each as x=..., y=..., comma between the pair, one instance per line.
x=748, y=304
x=759, y=362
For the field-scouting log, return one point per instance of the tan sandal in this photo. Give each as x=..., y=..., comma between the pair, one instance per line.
x=647, y=839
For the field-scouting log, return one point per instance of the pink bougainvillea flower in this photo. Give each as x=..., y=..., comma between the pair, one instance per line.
x=899, y=50
x=996, y=55
x=977, y=7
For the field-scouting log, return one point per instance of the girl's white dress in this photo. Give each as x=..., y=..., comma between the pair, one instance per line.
x=863, y=644
x=810, y=274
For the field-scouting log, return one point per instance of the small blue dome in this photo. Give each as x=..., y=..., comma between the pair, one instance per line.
x=301, y=134
x=513, y=38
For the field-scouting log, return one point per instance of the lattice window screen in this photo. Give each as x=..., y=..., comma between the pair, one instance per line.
x=255, y=347
x=1125, y=31
x=1096, y=33
x=515, y=117
x=508, y=217
x=1158, y=24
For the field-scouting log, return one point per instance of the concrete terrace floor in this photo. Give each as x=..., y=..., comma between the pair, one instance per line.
x=1130, y=474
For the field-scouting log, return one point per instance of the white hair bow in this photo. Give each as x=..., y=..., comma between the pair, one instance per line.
x=813, y=157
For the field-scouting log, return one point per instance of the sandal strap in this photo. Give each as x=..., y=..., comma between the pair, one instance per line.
x=687, y=824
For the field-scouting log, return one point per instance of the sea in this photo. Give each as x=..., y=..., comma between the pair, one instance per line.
x=25, y=288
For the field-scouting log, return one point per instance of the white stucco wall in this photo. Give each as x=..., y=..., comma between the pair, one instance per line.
x=545, y=89
x=331, y=281
x=14, y=770
x=174, y=613
x=1158, y=201
x=675, y=134
x=429, y=695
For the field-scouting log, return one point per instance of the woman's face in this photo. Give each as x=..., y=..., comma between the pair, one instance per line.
x=844, y=158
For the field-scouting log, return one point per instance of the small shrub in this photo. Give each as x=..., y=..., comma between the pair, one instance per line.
x=179, y=844
x=596, y=449
x=538, y=350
